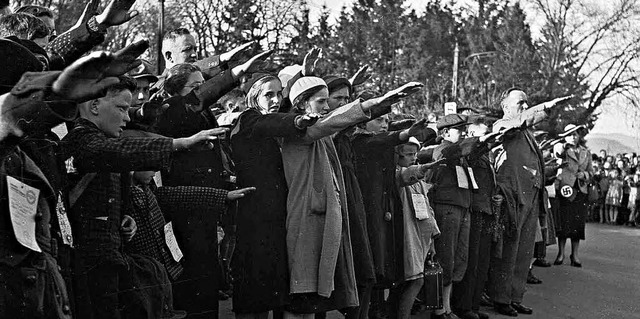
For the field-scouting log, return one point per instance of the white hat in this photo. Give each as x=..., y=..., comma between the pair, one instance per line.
x=288, y=72
x=413, y=140
x=304, y=84
x=569, y=129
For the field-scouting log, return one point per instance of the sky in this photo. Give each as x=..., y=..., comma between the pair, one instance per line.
x=613, y=118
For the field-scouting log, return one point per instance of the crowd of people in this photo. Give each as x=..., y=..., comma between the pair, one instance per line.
x=129, y=194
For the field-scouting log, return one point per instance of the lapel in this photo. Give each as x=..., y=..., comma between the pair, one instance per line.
x=574, y=153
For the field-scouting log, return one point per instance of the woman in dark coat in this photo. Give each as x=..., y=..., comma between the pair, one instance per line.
x=374, y=158
x=260, y=264
x=572, y=191
x=339, y=92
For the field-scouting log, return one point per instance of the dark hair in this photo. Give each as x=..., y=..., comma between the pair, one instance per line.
x=305, y=96
x=23, y=26
x=126, y=83
x=36, y=11
x=178, y=76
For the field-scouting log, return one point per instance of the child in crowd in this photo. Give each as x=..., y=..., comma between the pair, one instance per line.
x=419, y=224
x=233, y=104
x=614, y=195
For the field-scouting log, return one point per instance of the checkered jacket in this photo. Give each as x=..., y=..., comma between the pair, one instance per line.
x=145, y=208
x=97, y=214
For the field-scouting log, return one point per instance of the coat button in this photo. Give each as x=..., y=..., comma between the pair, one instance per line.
x=387, y=216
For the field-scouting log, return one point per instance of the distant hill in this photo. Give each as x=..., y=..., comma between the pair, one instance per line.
x=613, y=143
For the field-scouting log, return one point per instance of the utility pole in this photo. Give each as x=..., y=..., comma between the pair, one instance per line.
x=454, y=84
x=160, y=59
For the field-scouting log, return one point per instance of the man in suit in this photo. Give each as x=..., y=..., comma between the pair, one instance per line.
x=520, y=180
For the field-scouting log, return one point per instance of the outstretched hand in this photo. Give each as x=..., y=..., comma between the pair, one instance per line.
x=85, y=78
x=208, y=135
x=241, y=69
x=306, y=120
x=553, y=103
x=89, y=11
x=239, y=193
x=417, y=127
x=425, y=167
x=395, y=95
x=126, y=59
x=360, y=77
x=489, y=137
x=230, y=55
x=116, y=13
x=310, y=61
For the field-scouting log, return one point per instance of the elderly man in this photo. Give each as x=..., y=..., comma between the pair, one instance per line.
x=520, y=180
x=179, y=46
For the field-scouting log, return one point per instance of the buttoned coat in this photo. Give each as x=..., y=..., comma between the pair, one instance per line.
x=318, y=237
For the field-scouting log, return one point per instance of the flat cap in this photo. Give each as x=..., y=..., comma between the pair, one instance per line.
x=452, y=121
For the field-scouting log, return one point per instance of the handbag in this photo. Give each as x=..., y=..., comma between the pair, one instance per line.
x=433, y=284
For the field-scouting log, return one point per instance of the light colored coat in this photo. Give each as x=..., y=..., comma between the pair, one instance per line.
x=318, y=238
x=576, y=160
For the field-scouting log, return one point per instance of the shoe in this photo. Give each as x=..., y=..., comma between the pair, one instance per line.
x=451, y=315
x=558, y=261
x=482, y=315
x=442, y=316
x=520, y=308
x=531, y=279
x=468, y=315
x=541, y=262
x=505, y=309
x=485, y=300
x=574, y=263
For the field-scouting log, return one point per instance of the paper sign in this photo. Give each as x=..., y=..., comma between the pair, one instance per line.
x=60, y=130
x=450, y=108
x=463, y=182
x=473, y=178
x=420, y=206
x=551, y=190
x=23, y=204
x=157, y=178
x=172, y=243
x=63, y=222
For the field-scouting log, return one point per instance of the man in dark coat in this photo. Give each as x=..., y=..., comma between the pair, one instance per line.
x=520, y=180
x=206, y=166
x=466, y=293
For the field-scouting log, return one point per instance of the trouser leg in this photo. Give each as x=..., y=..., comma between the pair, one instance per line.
x=484, y=257
x=525, y=252
x=463, y=291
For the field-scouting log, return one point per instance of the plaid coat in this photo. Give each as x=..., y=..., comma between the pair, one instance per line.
x=146, y=206
x=97, y=214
